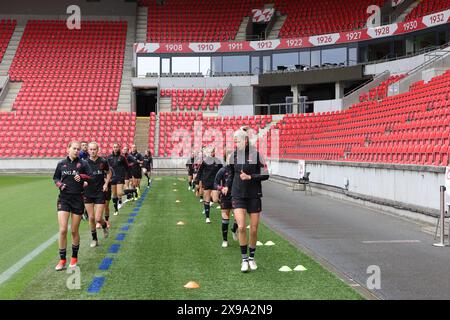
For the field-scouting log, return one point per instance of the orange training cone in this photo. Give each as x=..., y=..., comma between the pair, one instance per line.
x=192, y=285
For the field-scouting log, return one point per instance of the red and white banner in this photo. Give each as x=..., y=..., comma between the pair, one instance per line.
x=428, y=21
x=397, y=2
x=263, y=15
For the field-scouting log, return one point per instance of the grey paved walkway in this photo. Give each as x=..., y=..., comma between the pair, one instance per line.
x=351, y=238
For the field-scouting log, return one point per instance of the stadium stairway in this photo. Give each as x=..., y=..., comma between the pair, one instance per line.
x=13, y=90
x=273, y=34
x=141, y=24
x=408, y=10
x=241, y=34
x=141, y=134
x=11, y=50
x=124, y=103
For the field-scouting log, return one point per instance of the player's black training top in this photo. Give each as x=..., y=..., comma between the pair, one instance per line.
x=65, y=173
x=222, y=179
x=100, y=169
x=190, y=164
x=136, y=158
x=197, y=162
x=148, y=162
x=119, y=165
x=208, y=170
x=253, y=165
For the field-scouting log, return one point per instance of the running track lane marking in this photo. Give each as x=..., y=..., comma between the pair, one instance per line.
x=106, y=263
x=97, y=282
x=5, y=276
x=114, y=248
x=120, y=237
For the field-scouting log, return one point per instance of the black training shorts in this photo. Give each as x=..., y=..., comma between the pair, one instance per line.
x=225, y=203
x=70, y=203
x=108, y=195
x=252, y=205
x=136, y=172
x=95, y=199
x=208, y=185
x=117, y=180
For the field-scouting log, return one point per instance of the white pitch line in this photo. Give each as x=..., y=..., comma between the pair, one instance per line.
x=5, y=276
x=393, y=241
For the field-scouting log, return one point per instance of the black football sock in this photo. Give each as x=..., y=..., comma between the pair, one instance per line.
x=115, y=201
x=75, y=249
x=225, y=223
x=252, y=252
x=244, y=252
x=207, y=207
x=62, y=254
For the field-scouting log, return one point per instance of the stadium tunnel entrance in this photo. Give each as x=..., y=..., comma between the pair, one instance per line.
x=146, y=102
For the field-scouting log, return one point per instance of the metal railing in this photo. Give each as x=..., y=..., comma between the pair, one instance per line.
x=436, y=59
x=352, y=97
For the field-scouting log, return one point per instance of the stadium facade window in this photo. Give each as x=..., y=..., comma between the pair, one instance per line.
x=205, y=65
x=165, y=65
x=216, y=64
x=352, y=56
x=399, y=48
x=185, y=64
x=425, y=40
x=315, y=57
x=267, y=63
x=147, y=65
x=256, y=65
x=236, y=64
x=305, y=58
x=284, y=59
x=334, y=55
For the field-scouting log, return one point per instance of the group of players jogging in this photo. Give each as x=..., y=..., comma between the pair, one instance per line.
x=87, y=182
x=236, y=185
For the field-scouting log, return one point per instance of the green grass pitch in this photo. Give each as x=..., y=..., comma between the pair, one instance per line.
x=156, y=258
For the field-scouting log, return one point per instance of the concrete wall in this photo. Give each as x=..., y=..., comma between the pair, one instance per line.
x=328, y=105
x=241, y=95
x=28, y=165
x=236, y=110
x=415, y=186
x=396, y=66
x=201, y=82
x=59, y=7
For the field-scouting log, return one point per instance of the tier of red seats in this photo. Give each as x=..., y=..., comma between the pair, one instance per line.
x=305, y=18
x=381, y=91
x=189, y=21
x=151, y=133
x=409, y=128
x=46, y=133
x=181, y=131
x=206, y=21
x=70, y=83
x=6, y=31
x=426, y=7
x=70, y=68
x=194, y=99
